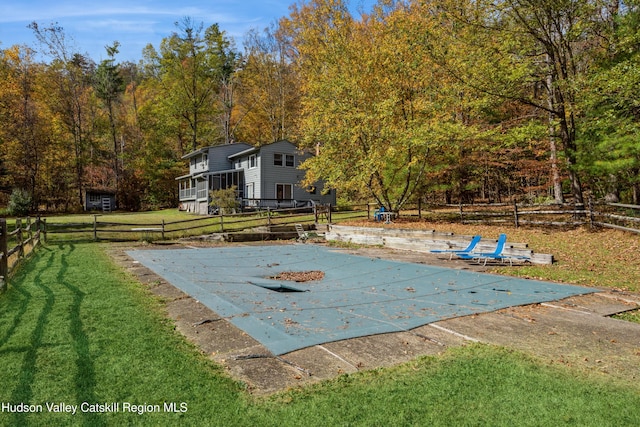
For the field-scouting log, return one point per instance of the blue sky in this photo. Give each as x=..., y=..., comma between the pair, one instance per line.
x=134, y=23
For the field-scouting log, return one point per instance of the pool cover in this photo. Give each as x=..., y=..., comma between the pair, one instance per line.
x=358, y=295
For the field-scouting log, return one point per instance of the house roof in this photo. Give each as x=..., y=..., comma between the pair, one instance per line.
x=245, y=152
x=237, y=145
x=257, y=149
x=193, y=153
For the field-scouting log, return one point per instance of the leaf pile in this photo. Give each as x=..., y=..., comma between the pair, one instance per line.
x=299, y=276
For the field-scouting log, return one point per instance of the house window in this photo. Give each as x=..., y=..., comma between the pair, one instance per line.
x=284, y=192
x=252, y=161
x=280, y=159
x=95, y=198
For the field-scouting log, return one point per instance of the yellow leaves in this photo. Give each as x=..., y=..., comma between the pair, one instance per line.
x=372, y=95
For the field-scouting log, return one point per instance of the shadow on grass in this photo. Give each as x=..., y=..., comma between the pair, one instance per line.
x=23, y=393
x=17, y=318
x=85, y=381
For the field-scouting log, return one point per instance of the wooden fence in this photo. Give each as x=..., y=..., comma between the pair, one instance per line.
x=268, y=220
x=16, y=245
x=609, y=215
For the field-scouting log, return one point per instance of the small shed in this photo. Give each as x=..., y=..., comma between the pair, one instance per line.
x=99, y=199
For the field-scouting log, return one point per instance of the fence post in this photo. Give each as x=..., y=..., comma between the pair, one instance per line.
x=515, y=212
x=4, y=266
x=461, y=214
x=44, y=230
x=221, y=222
x=163, y=229
x=590, y=211
x=95, y=228
x=19, y=238
x=268, y=216
x=29, y=230
x=329, y=214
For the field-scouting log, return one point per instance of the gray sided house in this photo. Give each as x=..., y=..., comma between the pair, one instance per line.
x=266, y=176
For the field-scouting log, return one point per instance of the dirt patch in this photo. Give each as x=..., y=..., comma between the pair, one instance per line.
x=576, y=332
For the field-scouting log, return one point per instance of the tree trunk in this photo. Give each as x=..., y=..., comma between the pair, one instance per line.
x=555, y=172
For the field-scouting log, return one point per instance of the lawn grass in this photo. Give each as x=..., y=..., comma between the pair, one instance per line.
x=75, y=328
x=474, y=385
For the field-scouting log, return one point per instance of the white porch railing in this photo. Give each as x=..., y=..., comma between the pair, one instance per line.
x=187, y=193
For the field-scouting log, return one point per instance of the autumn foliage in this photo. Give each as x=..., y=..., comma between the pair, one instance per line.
x=448, y=101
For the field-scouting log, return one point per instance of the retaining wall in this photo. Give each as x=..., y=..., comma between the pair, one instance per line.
x=425, y=241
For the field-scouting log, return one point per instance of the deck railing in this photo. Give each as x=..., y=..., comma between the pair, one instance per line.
x=188, y=193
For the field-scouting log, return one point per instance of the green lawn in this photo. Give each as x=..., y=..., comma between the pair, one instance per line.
x=75, y=328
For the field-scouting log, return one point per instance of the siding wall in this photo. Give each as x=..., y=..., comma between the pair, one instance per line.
x=272, y=175
x=218, y=155
x=253, y=175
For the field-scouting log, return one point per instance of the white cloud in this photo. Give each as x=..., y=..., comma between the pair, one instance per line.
x=134, y=23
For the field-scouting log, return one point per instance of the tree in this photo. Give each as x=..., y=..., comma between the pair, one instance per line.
x=610, y=153
x=69, y=85
x=24, y=130
x=226, y=200
x=192, y=68
x=226, y=74
x=535, y=52
x=19, y=202
x=108, y=85
x=384, y=115
x=269, y=100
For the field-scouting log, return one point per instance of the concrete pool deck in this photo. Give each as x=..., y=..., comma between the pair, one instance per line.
x=358, y=295
x=576, y=327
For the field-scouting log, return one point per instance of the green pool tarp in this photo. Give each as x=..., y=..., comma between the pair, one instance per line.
x=358, y=295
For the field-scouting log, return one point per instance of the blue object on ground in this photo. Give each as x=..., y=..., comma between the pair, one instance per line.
x=497, y=254
x=377, y=215
x=474, y=241
x=358, y=295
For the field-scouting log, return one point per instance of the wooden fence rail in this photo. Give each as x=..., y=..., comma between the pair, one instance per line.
x=611, y=215
x=16, y=245
x=131, y=231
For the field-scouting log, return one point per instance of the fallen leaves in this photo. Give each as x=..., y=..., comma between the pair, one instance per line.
x=299, y=276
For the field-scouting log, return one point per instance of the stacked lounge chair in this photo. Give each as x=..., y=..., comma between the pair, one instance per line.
x=498, y=253
x=452, y=252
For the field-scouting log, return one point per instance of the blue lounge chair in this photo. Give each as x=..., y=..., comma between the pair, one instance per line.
x=453, y=252
x=496, y=254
